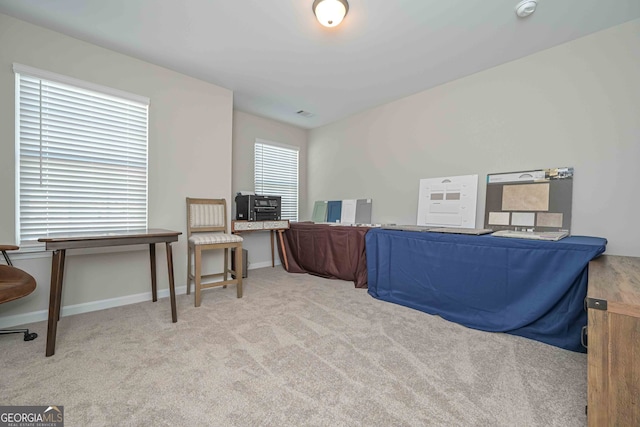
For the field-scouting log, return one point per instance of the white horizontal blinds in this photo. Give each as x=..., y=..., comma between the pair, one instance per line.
x=82, y=160
x=276, y=174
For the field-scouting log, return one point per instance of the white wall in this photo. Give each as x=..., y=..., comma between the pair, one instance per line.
x=246, y=129
x=190, y=124
x=577, y=104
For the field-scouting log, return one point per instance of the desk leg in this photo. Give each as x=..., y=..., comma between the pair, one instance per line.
x=55, y=295
x=273, y=262
x=284, y=251
x=154, y=286
x=63, y=255
x=172, y=286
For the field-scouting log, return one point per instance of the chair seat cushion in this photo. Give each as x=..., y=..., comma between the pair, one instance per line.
x=213, y=238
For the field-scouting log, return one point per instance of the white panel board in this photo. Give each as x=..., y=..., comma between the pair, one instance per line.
x=348, y=213
x=448, y=201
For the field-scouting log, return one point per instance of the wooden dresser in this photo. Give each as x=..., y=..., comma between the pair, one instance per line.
x=613, y=372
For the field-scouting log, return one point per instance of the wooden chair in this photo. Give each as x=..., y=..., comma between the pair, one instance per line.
x=14, y=284
x=207, y=230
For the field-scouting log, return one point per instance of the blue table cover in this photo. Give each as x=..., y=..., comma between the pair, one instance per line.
x=531, y=288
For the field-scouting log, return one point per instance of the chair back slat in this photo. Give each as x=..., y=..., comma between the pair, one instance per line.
x=206, y=215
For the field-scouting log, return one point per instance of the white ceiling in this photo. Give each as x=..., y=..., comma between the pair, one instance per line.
x=278, y=59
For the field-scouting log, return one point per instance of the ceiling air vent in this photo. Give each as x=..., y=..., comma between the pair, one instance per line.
x=304, y=113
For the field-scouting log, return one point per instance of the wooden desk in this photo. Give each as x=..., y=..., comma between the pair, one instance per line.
x=60, y=243
x=238, y=227
x=613, y=355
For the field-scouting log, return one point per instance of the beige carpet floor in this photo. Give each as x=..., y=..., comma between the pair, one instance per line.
x=296, y=350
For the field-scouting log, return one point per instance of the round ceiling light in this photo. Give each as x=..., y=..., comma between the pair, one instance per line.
x=526, y=8
x=330, y=13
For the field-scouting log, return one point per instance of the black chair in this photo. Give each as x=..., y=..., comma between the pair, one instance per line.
x=14, y=284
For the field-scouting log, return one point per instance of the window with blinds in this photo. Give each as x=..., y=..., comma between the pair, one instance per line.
x=81, y=157
x=276, y=174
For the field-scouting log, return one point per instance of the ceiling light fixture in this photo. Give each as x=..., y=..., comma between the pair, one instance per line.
x=330, y=13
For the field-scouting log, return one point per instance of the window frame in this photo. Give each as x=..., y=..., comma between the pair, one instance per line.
x=110, y=95
x=279, y=145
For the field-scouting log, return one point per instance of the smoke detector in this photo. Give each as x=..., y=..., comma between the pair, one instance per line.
x=526, y=8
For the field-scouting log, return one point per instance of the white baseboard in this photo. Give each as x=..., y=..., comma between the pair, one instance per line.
x=70, y=310
x=254, y=265
x=22, y=319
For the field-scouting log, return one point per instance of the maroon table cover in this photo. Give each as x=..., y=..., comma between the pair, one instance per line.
x=330, y=251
